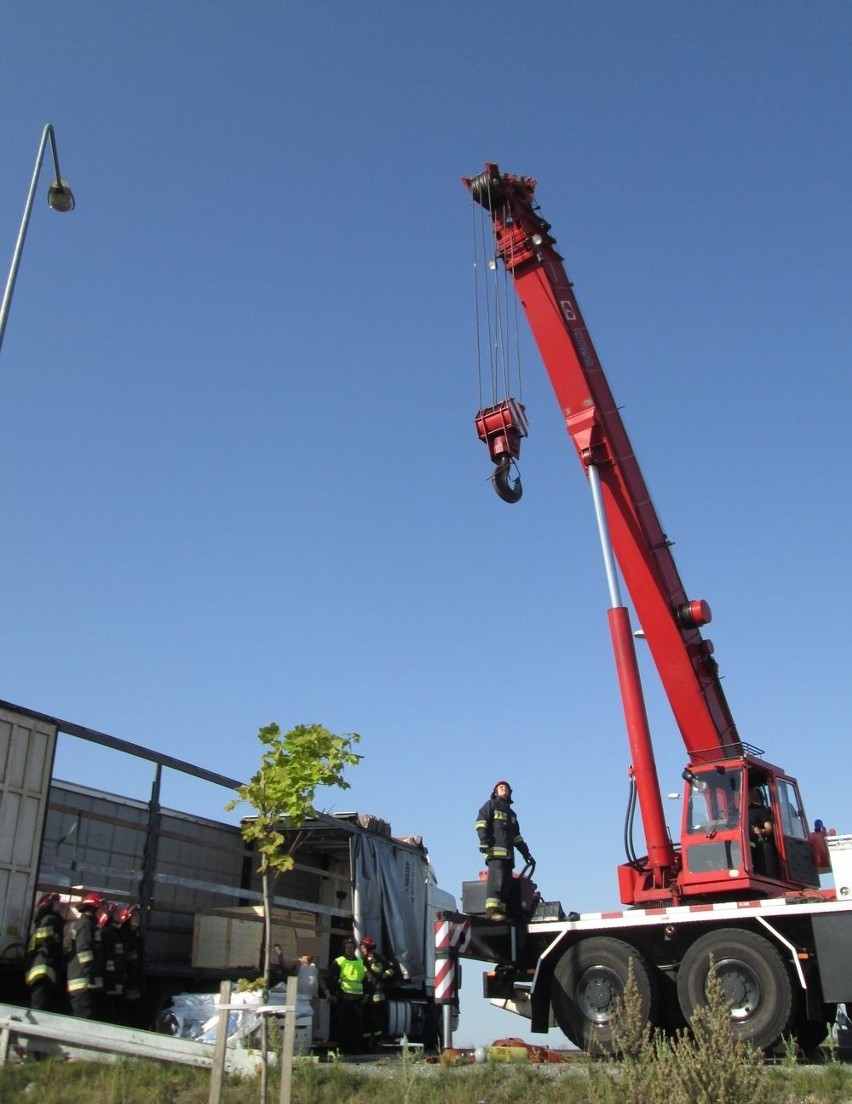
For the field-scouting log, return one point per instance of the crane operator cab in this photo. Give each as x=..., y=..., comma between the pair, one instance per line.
x=744, y=827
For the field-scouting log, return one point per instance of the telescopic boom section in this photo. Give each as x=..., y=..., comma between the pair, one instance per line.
x=669, y=620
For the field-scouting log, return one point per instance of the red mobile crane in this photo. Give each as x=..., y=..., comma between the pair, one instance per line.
x=742, y=888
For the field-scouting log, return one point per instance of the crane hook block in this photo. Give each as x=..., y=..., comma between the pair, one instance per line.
x=502, y=427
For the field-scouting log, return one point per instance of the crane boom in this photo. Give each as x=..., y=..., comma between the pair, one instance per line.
x=670, y=621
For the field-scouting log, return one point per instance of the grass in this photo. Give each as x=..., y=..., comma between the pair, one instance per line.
x=707, y=1065
x=656, y=1079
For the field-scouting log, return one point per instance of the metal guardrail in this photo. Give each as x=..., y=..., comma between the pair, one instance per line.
x=27, y=1032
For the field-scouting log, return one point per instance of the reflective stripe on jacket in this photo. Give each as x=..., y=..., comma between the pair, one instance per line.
x=44, y=950
x=379, y=974
x=499, y=832
x=85, y=964
x=43, y=970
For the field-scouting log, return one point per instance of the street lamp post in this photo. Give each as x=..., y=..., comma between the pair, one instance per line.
x=59, y=197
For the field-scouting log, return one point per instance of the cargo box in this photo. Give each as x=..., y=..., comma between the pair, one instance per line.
x=522, y=898
x=228, y=939
x=473, y=897
x=548, y=910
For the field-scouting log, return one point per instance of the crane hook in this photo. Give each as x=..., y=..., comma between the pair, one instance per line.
x=509, y=492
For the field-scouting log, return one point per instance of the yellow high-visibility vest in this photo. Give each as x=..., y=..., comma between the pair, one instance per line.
x=351, y=974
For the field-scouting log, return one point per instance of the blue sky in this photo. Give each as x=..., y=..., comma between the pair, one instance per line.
x=240, y=479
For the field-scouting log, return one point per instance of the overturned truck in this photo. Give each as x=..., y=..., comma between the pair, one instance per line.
x=197, y=883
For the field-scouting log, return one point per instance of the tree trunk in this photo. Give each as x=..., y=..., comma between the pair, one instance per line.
x=266, y=879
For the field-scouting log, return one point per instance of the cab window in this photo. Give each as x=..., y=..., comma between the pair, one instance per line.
x=792, y=822
x=714, y=801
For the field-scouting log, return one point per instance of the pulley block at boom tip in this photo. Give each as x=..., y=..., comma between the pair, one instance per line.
x=486, y=188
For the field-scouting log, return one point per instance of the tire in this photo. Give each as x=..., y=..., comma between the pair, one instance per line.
x=588, y=982
x=755, y=980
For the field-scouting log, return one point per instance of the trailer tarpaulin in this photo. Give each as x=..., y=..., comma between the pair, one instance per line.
x=390, y=881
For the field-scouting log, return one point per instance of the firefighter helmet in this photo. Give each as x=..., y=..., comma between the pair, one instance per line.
x=107, y=913
x=369, y=943
x=126, y=913
x=92, y=901
x=46, y=902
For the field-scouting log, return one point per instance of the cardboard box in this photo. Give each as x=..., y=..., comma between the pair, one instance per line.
x=522, y=897
x=304, y=1036
x=473, y=897
x=231, y=939
x=548, y=910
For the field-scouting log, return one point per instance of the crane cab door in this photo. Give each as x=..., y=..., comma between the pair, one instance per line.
x=796, y=847
x=788, y=856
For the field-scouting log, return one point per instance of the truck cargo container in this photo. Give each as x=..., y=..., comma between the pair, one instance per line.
x=197, y=883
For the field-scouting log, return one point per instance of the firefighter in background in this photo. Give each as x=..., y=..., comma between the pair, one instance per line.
x=379, y=974
x=346, y=984
x=44, y=963
x=112, y=945
x=85, y=961
x=499, y=836
x=129, y=919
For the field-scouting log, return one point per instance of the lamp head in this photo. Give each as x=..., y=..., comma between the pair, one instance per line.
x=60, y=197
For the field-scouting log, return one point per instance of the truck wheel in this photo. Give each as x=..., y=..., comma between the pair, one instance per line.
x=754, y=978
x=588, y=982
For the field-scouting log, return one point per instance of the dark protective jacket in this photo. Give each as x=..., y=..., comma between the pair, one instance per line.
x=85, y=962
x=112, y=943
x=379, y=973
x=499, y=832
x=44, y=960
x=134, y=966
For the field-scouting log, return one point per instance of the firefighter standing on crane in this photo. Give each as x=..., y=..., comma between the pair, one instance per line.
x=45, y=975
x=499, y=836
x=85, y=962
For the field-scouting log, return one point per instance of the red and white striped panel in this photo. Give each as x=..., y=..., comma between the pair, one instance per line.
x=445, y=981
x=452, y=935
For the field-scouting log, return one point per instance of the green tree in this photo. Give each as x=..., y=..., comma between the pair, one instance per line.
x=281, y=792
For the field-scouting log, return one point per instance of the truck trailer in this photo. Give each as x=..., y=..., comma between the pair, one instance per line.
x=196, y=880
